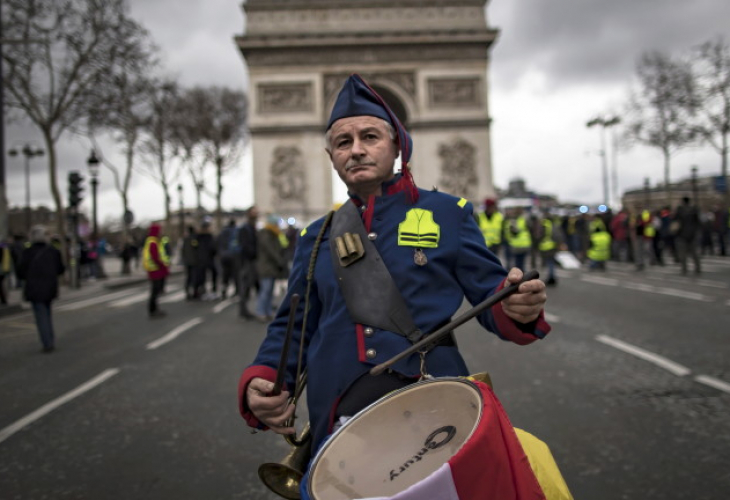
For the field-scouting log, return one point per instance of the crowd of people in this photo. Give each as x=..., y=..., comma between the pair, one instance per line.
x=247, y=260
x=643, y=237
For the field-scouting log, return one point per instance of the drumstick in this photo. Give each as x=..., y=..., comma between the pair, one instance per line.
x=281, y=371
x=444, y=330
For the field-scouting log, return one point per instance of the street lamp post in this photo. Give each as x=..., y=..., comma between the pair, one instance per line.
x=181, y=215
x=93, y=163
x=694, y=186
x=606, y=123
x=29, y=152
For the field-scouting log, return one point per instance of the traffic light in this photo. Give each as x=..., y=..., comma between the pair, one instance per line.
x=74, y=189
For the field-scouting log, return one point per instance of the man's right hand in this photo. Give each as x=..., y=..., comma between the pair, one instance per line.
x=272, y=411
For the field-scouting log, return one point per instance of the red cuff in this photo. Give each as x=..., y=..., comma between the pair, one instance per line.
x=249, y=374
x=510, y=330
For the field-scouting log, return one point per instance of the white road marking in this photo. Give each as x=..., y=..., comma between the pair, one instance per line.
x=140, y=298
x=713, y=382
x=552, y=318
x=600, y=281
x=683, y=294
x=175, y=297
x=222, y=305
x=96, y=300
x=49, y=407
x=656, y=359
x=130, y=300
x=174, y=333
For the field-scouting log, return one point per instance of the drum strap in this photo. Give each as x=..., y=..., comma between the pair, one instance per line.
x=371, y=295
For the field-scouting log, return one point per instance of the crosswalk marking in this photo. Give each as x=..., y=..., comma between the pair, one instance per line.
x=96, y=300
x=129, y=301
x=600, y=280
x=643, y=287
x=144, y=296
x=175, y=297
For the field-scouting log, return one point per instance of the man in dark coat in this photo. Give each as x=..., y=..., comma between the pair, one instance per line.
x=40, y=266
x=249, y=251
x=688, y=221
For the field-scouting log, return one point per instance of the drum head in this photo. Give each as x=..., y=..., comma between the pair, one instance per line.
x=397, y=441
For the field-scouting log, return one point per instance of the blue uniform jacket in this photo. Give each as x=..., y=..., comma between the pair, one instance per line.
x=335, y=348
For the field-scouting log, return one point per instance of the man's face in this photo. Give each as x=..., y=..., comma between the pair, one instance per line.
x=362, y=152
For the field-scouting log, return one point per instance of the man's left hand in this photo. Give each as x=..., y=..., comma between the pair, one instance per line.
x=525, y=305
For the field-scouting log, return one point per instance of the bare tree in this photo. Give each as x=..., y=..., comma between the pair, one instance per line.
x=712, y=72
x=190, y=120
x=224, y=138
x=157, y=146
x=53, y=82
x=661, y=112
x=126, y=116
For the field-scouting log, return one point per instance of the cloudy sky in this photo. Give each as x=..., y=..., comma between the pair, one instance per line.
x=557, y=64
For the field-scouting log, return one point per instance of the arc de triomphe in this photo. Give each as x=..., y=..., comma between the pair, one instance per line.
x=429, y=60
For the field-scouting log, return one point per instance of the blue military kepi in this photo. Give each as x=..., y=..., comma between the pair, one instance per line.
x=357, y=98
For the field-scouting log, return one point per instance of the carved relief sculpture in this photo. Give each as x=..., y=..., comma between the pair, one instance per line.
x=287, y=175
x=453, y=92
x=458, y=169
x=285, y=98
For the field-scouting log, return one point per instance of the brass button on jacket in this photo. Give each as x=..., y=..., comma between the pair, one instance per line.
x=371, y=353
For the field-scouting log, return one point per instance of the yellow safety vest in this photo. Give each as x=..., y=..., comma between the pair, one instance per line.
x=419, y=230
x=5, y=260
x=149, y=264
x=649, y=230
x=522, y=239
x=600, y=250
x=594, y=224
x=547, y=243
x=491, y=228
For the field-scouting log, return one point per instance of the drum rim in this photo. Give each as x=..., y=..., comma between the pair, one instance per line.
x=328, y=443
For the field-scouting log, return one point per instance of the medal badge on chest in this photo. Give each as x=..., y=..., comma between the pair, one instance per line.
x=419, y=257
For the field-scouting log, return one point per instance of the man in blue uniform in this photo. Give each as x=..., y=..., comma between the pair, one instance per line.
x=433, y=251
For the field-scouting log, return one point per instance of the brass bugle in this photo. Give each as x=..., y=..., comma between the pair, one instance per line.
x=284, y=478
x=446, y=329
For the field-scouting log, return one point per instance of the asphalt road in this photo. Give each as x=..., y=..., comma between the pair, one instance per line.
x=631, y=391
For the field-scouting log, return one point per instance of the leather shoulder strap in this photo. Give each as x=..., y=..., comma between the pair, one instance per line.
x=371, y=295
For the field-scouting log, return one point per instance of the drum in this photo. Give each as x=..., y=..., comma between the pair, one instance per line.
x=440, y=438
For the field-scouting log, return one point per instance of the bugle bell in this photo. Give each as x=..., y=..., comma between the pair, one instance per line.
x=285, y=477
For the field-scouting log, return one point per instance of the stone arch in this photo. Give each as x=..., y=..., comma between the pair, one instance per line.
x=428, y=59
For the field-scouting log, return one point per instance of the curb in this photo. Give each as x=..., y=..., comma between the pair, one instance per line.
x=10, y=309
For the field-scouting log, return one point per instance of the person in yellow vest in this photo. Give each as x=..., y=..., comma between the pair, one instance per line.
x=644, y=242
x=518, y=238
x=491, y=222
x=599, y=250
x=6, y=266
x=550, y=239
x=157, y=263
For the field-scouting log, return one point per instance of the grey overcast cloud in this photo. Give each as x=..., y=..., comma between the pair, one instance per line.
x=556, y=65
